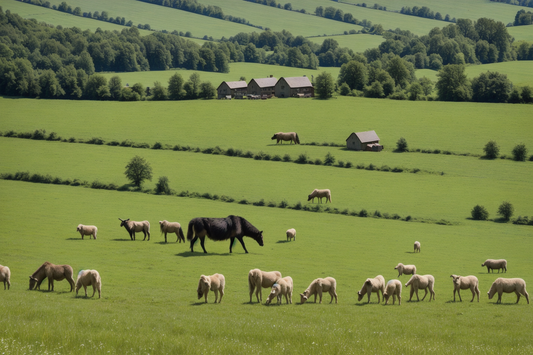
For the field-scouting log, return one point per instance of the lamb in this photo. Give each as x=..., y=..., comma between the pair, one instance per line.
x=463, y=283
x=258, y=279
x=87, y=230
x=5, y=276
x=421, y=282
x=291, y=233
x=394, y=288
x=283, y=287
x=320, y=194
x=501, y=285
x=89, y=278
x=372, y=285
x=215, y=283
x=328, y=284
x=492, y=264
x=405, y=269
x=417, y=246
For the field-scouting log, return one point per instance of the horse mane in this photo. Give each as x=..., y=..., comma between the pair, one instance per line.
x=40, y=268
x=248, y=228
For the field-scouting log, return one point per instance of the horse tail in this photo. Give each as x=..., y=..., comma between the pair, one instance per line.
x=329, y=197
x=181, y=233
x=297, y=139
x=251, y=281
x=190, y=230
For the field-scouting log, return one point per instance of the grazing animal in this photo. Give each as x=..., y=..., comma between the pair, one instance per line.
x=289, y=136
x=283, y=287
x=215, y=283
x=87, y=230
x=421, y=282
x=417, y=247
x=133, y=226
x=372, y=285
x=502, y=285
x=5, y=276
x=394, y=288
x=492, y=264
x=405, y=269
x=463, y=283
x=317, y=286
x=89, y=278
x=172, y=227
x=291, y=234
x=320, y=194
x=52, y=272
x=257, y=280
x=216, y=229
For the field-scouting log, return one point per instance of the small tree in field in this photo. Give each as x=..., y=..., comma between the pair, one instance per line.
x=162, y=188
x=401, y=145
x=329, y=160
x=506, y=210
x=491, y=150
x=520, y=152
x=138, y=170
x=479, y=213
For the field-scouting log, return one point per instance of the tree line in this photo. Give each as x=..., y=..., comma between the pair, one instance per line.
x=528, y=3
x=523, y=18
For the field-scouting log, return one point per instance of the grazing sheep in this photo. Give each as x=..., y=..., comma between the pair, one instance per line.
x=215, y=283
x=291, y=233
x=133, y=226
x=417, y=247
x=405, y=269
x=172, y=227
x=320, y=194
x=492, y=264
x=89, y=278
x=283, y=287
x=463, y=283
x=258, y=280
x=372, y=285
x=87, y=230
x=394, y=288
x=328, y=284
x=421, y=282
x=501, y=285
x=5, y=276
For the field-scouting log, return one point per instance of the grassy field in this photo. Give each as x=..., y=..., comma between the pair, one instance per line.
x=358, y=43
x=522, y=33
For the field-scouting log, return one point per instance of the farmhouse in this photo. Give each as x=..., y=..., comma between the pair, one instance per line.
x=364, y=141
x=263, y=86
x=232, y=89
x=299, y=86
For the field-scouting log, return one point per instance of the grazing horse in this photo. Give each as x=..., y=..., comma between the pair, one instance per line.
x=172, y=227
x=289, y=136
x=320, y=194
x=216, y=229
x=52, y=272
x=132, y=227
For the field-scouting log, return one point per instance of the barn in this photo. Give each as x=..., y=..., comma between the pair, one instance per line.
x=368, y=140
x=232, y=89
x=262, y=86
x=299, y=86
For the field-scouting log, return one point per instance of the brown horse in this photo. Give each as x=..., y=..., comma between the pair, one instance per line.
x=289, y=136
x=52, y=272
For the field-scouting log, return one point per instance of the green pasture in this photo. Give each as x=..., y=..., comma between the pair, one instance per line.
x=472, y=9
x=358, y=43
x=521, y=33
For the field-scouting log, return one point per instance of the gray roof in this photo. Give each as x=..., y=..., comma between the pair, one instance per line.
x=298, y=82
x=236, y=84
x=365, y=137
x=266, y=82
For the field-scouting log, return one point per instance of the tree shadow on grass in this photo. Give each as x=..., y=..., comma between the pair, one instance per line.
x=410, y=252
x=187, y=254
x=123, y=240
x=282, y=241
x=73, y=239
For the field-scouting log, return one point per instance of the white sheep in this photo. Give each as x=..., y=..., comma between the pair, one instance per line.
x=87, y=230
x=501, y=285
x=215, y=283
x=423, y=282
x=257, y=280
x=492, y=264
x=89, y=278
x=5, y=276
x=372, y=285
x=281, y=287
x=317, y=286
x=463, y=283
x=405, y=269
x=417, y=247
x=394, y=288
x=291, y=233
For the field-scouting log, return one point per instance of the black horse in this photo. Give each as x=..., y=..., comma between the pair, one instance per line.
x=216, y=229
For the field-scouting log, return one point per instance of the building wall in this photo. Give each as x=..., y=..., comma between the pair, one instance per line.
x=282, y=89
x=224, y=90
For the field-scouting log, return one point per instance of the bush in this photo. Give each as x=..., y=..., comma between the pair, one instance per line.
x=259, y=203
x=408, y=218
x=72, y=140
x=297, y=206
x=207, y=196
x=363, y=213
x=283, y=204
x=377, y=214
x=360, y=166
x=436, y=151
x=371, y=167
x=141, y=145
x=218, y=151
x=113, y=143
x=276, y=158
x=10, y=133
x=25, y=135
x=225, y=198
x=95, y=140
x=348, y=164
x=384, y=168
x=271, y=204
x=318, y=162
x=340, y=164
x=506, y=210
x=520, y=152
x=329, y=159
x=162, y=188
x=479, y=213
x=244, y=202
x=401, y=145
x=248, y=154
x=53, y=137
x=38, y=134
x=521, y=220
x=302, y=159
x=157, y=145
x=492, y=150
x=287, y=158
x=397, y=170
x=126, y=143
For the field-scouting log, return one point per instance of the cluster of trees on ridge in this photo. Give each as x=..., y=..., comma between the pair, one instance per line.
x=528, y=3
x=523, y=18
